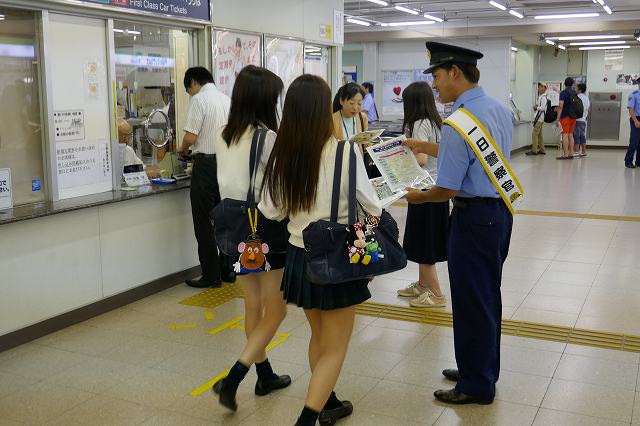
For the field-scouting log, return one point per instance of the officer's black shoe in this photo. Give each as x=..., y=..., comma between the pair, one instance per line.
x=265, y=387
x=630, y=166
x=451, y=374
x=452, y=396
x=202, y=283
x=330, y=417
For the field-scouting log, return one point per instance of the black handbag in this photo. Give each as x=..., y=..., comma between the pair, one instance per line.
x=231, y=218
x=327, y=243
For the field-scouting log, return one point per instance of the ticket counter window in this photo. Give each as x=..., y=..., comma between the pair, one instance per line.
x=150, y=65
x=20, y=125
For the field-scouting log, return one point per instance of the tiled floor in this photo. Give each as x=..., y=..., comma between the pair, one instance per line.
x=564, y=271
x=133, y=366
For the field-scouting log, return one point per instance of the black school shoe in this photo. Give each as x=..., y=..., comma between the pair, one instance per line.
x=330, y=417
x=262, y=387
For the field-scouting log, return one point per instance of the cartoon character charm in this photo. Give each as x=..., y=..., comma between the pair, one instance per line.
x=364, y=249
x=252, y=256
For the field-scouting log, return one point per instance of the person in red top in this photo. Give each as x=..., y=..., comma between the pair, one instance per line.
x=568, y=124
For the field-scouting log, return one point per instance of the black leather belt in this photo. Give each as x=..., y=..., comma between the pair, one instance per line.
x=201, y=155
x=462, y=202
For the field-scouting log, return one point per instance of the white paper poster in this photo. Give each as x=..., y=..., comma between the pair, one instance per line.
x=613, y=59
x=6, y=194
x=69, y=125
x=82, y=163
x=393, y=83
x=553, y=92
x=285, y=58
x=232, y=52
x=627, y=81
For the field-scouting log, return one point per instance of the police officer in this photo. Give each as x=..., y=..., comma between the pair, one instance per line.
x=634, y=136
x=481, y=222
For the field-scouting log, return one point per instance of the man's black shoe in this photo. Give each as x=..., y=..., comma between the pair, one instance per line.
x=453, y=396
x=330, y=417
x=451, y=374
x=630, y=166
x=530, y=153
x=265, y=387
x=201, y=283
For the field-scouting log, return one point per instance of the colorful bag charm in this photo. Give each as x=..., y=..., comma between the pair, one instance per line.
x=364, y=249
x=252, y=251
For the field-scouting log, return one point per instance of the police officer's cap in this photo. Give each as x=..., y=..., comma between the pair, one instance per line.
x=441, y=53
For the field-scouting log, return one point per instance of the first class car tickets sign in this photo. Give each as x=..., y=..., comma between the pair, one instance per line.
x=191, y=9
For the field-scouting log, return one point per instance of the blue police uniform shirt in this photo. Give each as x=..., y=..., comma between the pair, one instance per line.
x=458, y=166
x=634, y=102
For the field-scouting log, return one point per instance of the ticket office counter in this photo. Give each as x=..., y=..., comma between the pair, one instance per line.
x=69, y=237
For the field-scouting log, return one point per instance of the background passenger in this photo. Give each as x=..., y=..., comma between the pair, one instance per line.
x=369, y=104
x=348, y=118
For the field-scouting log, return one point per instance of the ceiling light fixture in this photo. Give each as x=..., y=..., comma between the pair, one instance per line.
x=550, y=42
x=516, y=13
x=407, y=24
x=117, y=30
x=380, y=2
x=433, y=18
x=596, y=43
x=605, y=47
x=587, y=37
x=134, y=32
x=562, y=47
x=568, y=16
x=515, y=49
x=607, y=9
x=358, y=22
x=406, y=9
x=498, y=5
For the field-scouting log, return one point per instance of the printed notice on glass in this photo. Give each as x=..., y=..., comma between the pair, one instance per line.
x=80, y=164
x=6, y=197
x=398, y=165
x=69, y=125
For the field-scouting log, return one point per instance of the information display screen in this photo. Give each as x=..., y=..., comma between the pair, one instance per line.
x=191, y=9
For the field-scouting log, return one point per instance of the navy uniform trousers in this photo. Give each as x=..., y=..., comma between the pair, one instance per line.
x=634, y=145
x=479, y=236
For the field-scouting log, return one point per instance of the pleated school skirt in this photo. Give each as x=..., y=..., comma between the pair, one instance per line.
x=426, y=233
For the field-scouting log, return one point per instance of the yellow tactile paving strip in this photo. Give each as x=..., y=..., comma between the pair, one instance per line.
x=215, y=297
x=560, y=214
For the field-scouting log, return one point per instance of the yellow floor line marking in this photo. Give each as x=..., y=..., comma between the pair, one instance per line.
x=560, y=214
x=282, y=337
x=209, y=315
x=215, y=297
x=182, y=327
x=227, y=325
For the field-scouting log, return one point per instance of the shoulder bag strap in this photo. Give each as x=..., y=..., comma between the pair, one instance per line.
x=337, y=177
x=352, y=184
x=257, y=145
x=361, y=122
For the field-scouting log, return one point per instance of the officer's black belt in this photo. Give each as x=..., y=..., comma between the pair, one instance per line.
x=201, y=155
x=463, y=202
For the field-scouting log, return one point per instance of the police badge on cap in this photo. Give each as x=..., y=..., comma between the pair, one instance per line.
x=440, y=54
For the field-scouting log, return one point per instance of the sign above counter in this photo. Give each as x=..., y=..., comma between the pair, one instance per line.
x=186, y=9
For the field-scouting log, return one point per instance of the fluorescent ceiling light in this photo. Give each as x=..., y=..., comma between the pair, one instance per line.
x=550, y=42
x=587, y=37
x=605, y=47
x=433, y=18
x=568, y=16
x=359, y=22
x=607, y=9
x=515, y=49
x=132, y=32
x=600, y=2
x=118, y=30
x=406, y=9
x=596, y=43
x=380, y=2
x=560, y=46
x=498, y=5
x=516, y=13
x=407, y=24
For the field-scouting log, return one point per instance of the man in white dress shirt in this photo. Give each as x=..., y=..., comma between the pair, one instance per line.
x=537, y=142
x=208, y=111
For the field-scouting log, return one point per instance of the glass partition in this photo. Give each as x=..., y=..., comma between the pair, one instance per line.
x=150, y=65
x=20, y=126
x=317, y=61
x=284, y=57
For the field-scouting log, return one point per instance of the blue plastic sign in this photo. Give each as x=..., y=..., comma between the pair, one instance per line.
x=189, y=9
x=36, y=184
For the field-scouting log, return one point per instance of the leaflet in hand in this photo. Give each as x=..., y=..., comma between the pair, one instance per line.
x=366, y=137
x=398, y=165
x=384, y=193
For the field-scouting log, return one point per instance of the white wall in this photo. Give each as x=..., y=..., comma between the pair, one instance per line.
x=293, y=18
x=55, y=264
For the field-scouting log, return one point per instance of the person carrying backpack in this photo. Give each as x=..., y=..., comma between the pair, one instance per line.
x=537, y=141
x=569, y=109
